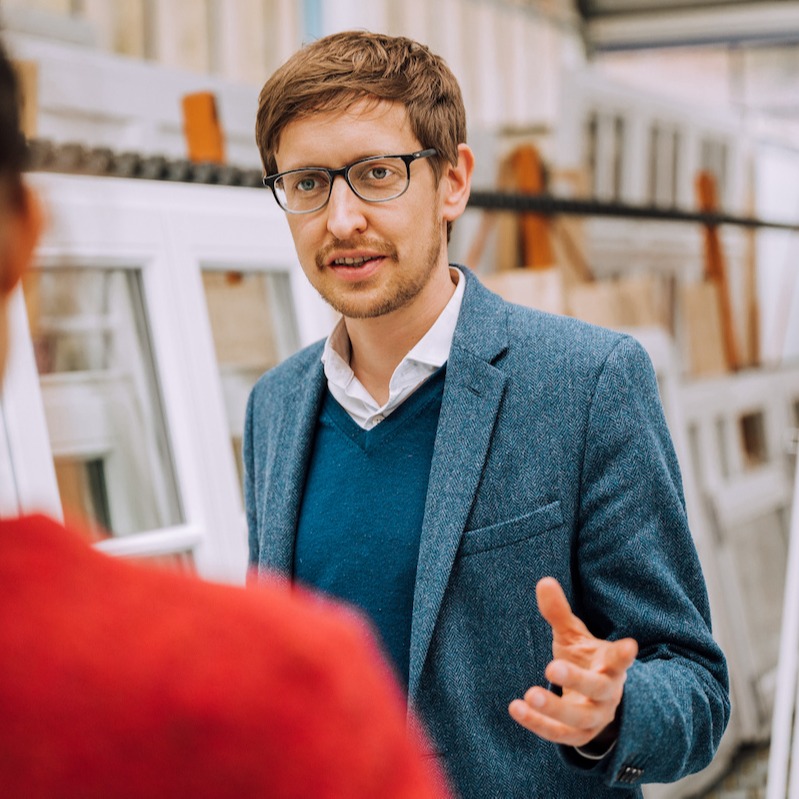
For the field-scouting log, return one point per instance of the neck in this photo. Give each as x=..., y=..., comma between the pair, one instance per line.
x=379, y=344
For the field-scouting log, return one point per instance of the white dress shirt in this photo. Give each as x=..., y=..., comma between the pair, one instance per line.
x=430, y=353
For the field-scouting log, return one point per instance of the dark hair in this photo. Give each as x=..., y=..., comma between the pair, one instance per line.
x=13, y=147
x=337, y=70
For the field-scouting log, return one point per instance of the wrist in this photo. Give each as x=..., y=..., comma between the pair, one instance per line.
x=602, y=745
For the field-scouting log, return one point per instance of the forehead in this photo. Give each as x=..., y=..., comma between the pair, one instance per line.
x=335, y=138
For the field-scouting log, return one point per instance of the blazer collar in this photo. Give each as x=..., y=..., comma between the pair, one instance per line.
x=295, y=430
x=482, y=326
x=473, y=393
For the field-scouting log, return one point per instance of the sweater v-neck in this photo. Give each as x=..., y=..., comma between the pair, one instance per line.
x=368, y=440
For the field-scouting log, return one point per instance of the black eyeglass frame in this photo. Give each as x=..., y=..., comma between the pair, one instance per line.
x=270, y=180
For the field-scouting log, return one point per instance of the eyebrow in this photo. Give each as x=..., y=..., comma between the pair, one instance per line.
x=347, y=163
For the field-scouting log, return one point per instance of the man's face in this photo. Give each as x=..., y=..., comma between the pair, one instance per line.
x=396, y=245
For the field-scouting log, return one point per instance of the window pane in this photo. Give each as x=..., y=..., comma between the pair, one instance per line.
x=254, y=328
x=182, y=562
x=760, y=553
x=713, y=159
x=102, y=400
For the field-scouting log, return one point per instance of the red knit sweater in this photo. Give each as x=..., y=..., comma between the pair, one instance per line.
x=118, y=681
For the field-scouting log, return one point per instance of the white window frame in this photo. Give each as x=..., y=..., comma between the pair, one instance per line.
x=169, y=233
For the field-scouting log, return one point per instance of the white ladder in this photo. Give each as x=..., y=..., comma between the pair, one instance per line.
x=785, y=721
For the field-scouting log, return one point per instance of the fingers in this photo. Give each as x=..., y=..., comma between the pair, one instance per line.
x=603, y=678
x=620, y=655
x=552, y=601
x=573, y=718
x=590, y=698
x=555, y=608
x=558, y=719
x=596, y=686
x=546, y=727
x=591, y=672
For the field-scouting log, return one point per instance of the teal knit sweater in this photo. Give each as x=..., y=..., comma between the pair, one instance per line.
x=362, y=509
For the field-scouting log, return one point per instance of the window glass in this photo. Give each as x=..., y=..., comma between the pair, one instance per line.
x=254, y=328
x=102, y=400
x=664, y=165
x=713, y=158
x=759, y=555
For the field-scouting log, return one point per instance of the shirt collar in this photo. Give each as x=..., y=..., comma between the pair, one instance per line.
x=427, y=355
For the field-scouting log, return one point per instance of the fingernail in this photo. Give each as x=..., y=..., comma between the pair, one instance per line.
x=537, y=700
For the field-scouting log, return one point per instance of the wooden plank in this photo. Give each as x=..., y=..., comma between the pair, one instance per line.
x=751, y=344
x=701, y=306
x=535, y=288
x=716, y=268
x=28, y=77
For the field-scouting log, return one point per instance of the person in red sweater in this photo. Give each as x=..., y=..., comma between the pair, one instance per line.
x=119, y=680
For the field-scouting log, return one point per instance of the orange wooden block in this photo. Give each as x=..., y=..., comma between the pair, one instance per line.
x=202, y=129
x=536, y=244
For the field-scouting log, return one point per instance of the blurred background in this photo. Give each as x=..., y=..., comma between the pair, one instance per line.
x=637, y=167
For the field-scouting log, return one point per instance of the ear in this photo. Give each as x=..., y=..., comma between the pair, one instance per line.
x=456, y=183
x=22, y=228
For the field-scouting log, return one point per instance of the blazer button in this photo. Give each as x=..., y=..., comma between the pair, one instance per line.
x=629, y=774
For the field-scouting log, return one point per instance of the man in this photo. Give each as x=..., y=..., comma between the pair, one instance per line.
x=124, y=681
x=445, y=458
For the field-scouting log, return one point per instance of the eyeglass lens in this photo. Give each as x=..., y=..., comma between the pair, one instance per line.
x=375, y=180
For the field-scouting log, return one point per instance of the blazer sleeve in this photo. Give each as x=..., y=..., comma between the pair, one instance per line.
x=638, y=575
x=250, y=499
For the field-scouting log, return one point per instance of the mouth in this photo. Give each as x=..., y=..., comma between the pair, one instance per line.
x=355, y=262
x=356, y=268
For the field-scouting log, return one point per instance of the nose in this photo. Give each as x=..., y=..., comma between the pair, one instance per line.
x=345, y=215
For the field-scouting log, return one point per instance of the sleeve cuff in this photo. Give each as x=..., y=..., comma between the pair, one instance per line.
x=590, y=754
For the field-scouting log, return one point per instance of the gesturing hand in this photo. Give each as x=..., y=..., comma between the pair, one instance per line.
x=590, y=671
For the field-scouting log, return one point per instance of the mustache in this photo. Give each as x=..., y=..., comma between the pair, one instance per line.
x=373, y=245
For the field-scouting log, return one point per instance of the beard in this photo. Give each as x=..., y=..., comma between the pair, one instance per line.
x=363, y=301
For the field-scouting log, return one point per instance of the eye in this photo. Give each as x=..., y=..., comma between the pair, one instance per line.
x=386, y=171
x=379, y=172
x=306, y=183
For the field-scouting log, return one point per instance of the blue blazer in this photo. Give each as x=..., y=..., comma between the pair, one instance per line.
x=552, y=457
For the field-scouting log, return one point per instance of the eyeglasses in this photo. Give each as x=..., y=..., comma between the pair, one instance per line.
x=375, y=179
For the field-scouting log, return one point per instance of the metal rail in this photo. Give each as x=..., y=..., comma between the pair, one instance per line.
x=549, y=205
x=72, y=158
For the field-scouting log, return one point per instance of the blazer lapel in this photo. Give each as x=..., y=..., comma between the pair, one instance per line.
x=295, y=435
x=472, y=398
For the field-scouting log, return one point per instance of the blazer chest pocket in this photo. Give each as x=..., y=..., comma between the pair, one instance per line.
x=513, y=530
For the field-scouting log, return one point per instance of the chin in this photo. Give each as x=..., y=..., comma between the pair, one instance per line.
x=354, y=307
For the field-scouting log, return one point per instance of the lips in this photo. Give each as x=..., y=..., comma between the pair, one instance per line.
x=356, y=270
x=358, y=261
x=354, y=253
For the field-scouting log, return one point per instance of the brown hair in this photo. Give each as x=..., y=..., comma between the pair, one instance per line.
x=13, y=147
x=337, y=70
